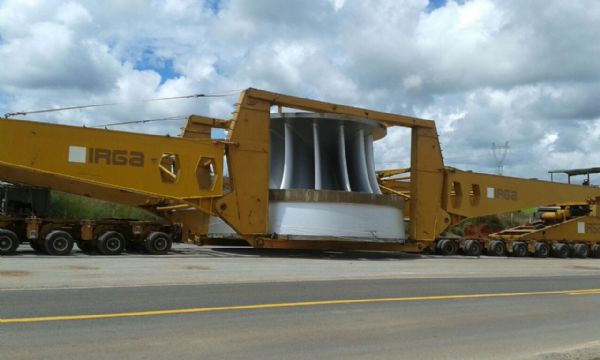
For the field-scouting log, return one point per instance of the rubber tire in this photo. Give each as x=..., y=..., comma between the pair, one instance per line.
x=581, y=251
x=447, y=247
x=110, y=243
x=438, y=246
x=9, y=242
x=56, y=238
x=157, y=243
x=496, y=248
x=542, y=250
x=561, y=251
x=519, y=249
x=87, y=246
x=595, y=251
x=472, y=247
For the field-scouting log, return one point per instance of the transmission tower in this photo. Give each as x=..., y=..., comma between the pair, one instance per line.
x=499, y=152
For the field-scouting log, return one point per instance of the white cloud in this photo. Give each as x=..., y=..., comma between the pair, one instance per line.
x=486, y=70
x=547, y=142
x=73, y=14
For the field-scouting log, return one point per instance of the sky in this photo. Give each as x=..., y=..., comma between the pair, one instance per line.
x=522, y=72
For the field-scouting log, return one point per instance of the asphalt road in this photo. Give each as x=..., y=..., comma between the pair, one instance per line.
x=450, y=318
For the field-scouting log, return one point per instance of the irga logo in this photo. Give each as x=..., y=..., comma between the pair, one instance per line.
x=115, y=157
x=506, y=194
x=592, y=228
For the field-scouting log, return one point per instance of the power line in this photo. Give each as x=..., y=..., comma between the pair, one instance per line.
x=171, y=118
x=193, y=96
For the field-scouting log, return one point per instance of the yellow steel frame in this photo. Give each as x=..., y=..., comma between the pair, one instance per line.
x=469, y=194
x=426, y=159
x=38, y=153
x=169, y=183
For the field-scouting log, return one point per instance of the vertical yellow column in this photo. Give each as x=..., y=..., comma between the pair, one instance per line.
x=427, y=217
x=246, y=208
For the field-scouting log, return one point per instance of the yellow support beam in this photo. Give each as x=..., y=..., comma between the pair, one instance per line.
x=105, y=164
x=325, y=107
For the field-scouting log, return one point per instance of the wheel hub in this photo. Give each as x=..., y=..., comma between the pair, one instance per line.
x=160, y=244
x=60, y=244
x=113, y=244
x=5, y=243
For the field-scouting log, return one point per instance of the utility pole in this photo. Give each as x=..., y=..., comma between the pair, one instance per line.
x=499, y=152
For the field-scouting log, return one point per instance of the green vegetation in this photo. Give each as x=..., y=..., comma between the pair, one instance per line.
x=502, y=221
x=67, y=206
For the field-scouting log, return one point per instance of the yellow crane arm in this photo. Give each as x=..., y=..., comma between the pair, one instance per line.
x=129, y=168
x=469, y=194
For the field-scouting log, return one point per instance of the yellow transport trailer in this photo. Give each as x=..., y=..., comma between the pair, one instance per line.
x=182, y=179
x=24, y=218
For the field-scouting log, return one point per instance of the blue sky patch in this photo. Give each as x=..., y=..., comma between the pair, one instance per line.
x=435, y=4
x=219, y=69
x=150, y=61
x=213, y=5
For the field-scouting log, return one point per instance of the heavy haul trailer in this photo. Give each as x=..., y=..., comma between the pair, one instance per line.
x=569, y=229
x=106, y=236
x=562, y=231
x=312, y=167
x=552, y=233
x=23, y=217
